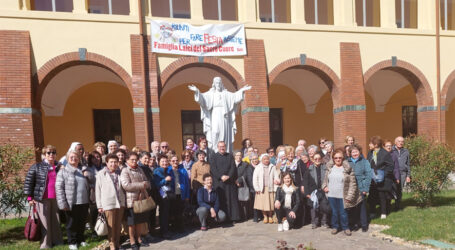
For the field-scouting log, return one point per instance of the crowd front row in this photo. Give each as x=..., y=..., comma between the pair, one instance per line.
x=321, y=186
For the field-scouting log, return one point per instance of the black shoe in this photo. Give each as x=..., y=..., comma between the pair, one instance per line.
x=365, y=229
x=135, y=247
x=313, y=226
x=166, y=236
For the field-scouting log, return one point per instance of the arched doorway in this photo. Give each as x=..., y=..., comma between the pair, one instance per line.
x=301, y=95
x=398, y=99
x=179, y=113
x=85, y=101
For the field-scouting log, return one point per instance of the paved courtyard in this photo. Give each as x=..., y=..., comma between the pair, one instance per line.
x=250, y=235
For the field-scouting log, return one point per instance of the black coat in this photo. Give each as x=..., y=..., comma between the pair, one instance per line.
x=299, y=174
x=152, y=191
x=245, y=170
x=385, y=163
x=224, y=164
x=36, y=180
x=280, y=196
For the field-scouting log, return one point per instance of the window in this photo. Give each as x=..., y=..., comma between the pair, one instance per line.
x=409, y=120
x=115, y=7
x=367, y=13
x=220, y=9
x=276, y=126
x=406, y=13
x=319, y=11
x=275, y=11
x=446, y=14
x=171, y=8
x=191, y=125
x=108, y=125
x=52, y=5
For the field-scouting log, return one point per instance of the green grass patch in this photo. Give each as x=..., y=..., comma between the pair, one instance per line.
x=12, y=236
x=413, y=223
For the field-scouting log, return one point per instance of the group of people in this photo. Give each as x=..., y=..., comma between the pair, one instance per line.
x=290, y=186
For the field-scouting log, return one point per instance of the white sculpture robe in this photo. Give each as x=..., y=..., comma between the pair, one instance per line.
x=218, y=110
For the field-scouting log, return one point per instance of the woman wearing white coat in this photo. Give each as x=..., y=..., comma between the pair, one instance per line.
x=266, y=180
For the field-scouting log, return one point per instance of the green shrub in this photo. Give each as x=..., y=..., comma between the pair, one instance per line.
x=431, y=162
x=13, y=160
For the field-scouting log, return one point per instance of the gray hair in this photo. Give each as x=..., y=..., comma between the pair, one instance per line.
x=313, y=147
x=299, y=148
x=328, y=143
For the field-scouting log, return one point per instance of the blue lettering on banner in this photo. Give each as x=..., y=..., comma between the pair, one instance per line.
x=183, y=27
x=184, y=41
x=196, y=37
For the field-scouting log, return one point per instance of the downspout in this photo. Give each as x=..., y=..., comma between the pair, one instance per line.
x=438, y=69
x=143, y=47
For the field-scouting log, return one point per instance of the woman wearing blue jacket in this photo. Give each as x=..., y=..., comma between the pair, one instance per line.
x=363, y=175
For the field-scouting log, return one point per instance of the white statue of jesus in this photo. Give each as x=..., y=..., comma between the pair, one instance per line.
x=218, y=108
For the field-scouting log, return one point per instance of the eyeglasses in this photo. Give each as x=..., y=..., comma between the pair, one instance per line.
x=51, y=153
x=132, y=159
x=322, y=142
x=337, y=158
x=173, y=160
x=317, y=159
x=164, y=146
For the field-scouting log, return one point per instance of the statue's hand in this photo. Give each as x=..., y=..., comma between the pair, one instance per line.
x=246, y=87
x=193, y=88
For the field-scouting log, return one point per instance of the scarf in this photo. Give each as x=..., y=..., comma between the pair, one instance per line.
x=288, y=190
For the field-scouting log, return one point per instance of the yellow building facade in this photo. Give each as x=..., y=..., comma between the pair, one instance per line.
x=319, y=68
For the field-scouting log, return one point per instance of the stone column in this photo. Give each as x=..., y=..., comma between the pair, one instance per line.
x=298, y=11
x=426, y=15
x=247, y=11
x=255, y=107
x=349, y=114
x=80, y=6
x=196, y=9
x=18, y=114
x=343, y=13
x=388, y=18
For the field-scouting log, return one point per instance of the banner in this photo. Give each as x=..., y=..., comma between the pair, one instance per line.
x=206, y=40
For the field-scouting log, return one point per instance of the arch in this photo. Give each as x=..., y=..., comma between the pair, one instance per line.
x=415, y=77
x=317, y=67
x=446, y=87
x=211, y=62
x=55, y=65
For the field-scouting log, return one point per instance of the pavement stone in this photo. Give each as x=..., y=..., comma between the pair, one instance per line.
x=251, y=235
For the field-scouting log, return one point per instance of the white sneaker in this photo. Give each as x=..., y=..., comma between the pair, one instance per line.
x=84, y=244
x=73, y=247
x=285, y=225
x=383, y=216
x=280, y=227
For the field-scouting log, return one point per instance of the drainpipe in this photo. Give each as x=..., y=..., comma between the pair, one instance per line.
x=438, y=69
x=143, y=47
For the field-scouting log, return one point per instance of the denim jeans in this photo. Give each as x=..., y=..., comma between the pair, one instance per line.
x=339, y=215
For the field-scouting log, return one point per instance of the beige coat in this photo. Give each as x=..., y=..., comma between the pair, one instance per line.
x=350, y=190
x=258, y=179
x=106, y=196
x=133, y=183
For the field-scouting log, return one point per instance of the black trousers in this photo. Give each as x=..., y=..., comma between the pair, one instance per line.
x=284, y=213
x=75, y=223
x=93, y=215
x=176, y=212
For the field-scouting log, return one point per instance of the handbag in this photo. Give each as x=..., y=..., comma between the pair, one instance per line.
x=244, y=192
x=101, y=225
x=32, y=230
x=143, y=205
x=378, y=175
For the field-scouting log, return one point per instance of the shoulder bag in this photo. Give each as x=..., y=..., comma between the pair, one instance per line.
x=244, y=191
x=143, y=205
x=32, y=230
x=101, y=225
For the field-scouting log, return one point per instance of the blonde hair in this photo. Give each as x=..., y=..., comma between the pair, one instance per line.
x=48, y=148
x=288, y=149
